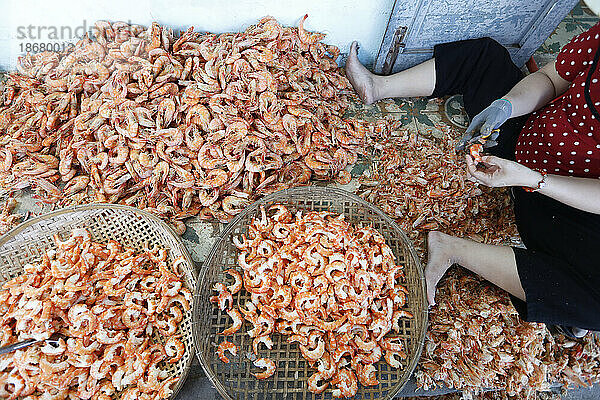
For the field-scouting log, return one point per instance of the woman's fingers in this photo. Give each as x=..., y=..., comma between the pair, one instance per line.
x=469, y=160
x=491, y=163
x=474, y=179
x=482, y=176
x=479, y=175
x=470, y=169
x=471, y=165
x=475, y=124
x=492, y=160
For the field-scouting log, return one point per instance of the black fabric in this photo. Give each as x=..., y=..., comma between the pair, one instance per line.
x=559, y=270
x=479, y=69
x=482, y=71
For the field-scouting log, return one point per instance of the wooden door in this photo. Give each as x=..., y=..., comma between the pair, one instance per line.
x=415, y=26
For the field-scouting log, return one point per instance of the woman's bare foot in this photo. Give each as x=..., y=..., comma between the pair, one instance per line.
x=439, y=260
x=361, y=79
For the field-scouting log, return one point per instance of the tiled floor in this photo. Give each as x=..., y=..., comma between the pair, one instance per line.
x=579, y=20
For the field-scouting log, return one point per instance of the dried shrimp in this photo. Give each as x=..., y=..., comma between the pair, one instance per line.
x=180, y=125
x=422, y=183
x=8, y=220
x=110, y=302
x=332, y=288
x=476, y=340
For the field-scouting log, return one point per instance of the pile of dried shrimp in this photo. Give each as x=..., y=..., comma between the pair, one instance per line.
x=422, y=183
x=475, y=328
x=112, y=304
x=476, y=340
x=475, y=337
x=195, y=124
x=329, y=286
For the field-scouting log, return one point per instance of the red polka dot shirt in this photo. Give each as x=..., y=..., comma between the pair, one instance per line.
x=563, y=138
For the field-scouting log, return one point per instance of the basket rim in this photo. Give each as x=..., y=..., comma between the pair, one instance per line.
x=94, y=206
x=324, y=191
x=11, y=234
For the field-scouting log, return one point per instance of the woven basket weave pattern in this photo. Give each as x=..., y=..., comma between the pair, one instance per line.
x=234, y=380
x=127, y=225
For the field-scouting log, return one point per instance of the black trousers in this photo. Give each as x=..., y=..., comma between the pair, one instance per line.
x=560, y=269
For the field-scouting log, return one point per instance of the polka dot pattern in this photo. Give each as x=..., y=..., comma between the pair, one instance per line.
x=570, y=143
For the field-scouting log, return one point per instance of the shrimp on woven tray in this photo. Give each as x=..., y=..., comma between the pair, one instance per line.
x=324, y=284
x=110, y=302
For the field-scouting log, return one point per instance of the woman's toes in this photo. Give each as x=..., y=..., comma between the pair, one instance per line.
x=432, y=277
x=353, y=49
x=431, y=293
x=438, y=263
x=578, y=332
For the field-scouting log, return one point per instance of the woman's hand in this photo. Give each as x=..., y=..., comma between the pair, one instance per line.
x=486, y=121
x=499, y=172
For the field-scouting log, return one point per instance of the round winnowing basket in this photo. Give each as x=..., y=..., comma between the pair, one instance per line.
x=234, y=380
x=127, y=225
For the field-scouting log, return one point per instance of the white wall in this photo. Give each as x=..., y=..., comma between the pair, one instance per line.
x=343, y=21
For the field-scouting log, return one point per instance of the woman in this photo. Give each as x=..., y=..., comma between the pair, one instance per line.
x=549, y=144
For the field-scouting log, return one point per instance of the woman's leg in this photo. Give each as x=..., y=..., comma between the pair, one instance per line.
x=556, y=291
x=479, y=69
x=413, y=82
x=495, y=263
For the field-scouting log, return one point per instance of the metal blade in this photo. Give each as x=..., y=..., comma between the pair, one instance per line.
x=489, y=143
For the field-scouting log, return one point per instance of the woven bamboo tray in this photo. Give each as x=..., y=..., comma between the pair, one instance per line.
x=127, y=225
x=234, y=380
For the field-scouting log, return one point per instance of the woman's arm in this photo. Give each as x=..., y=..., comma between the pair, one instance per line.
x=529, y=94
x=580, y=193
x=536, y=90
